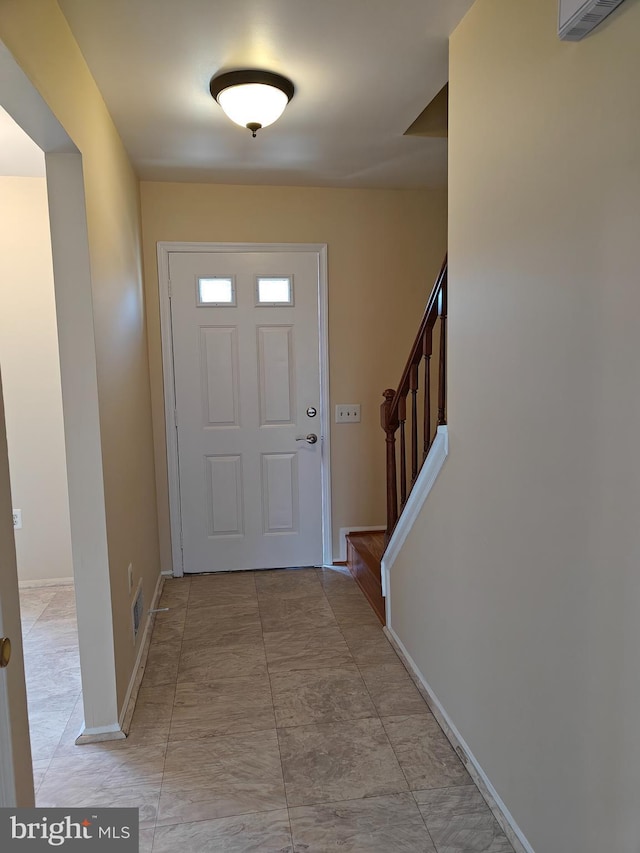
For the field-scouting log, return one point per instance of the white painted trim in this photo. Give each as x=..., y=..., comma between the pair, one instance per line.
x=344, y=532
x=45, y=583
x=503, y=815
x=438, y=452
x=164, y=251
x=100, y=734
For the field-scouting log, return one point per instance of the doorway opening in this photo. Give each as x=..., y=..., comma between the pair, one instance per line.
x=30, y=369
x=97, y=712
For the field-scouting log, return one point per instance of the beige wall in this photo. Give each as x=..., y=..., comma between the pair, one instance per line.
x=38, y=36
x=518, y=591
x=384, y=250
x=31, y=381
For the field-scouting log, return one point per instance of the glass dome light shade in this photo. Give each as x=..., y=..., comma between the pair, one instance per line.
x=253, y=103
x=252, y=97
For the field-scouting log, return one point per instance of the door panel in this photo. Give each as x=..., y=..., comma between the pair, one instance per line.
x=245, y=373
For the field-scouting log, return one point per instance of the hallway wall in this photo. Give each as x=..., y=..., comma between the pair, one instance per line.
x=38, y=36
x=385, y=248
x=30, y=367
x=518, y=591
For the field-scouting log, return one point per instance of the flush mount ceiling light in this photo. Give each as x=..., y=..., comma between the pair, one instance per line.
x=252, y=99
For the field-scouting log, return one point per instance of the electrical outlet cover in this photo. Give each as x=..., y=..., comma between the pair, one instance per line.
x=17, y=519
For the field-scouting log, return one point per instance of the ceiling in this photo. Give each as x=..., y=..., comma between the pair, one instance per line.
x=19, y=155
x=364, y=70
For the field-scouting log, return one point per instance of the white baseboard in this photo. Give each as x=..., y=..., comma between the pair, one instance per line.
x=129, y=704
x=344, y=531
x=35, y=584
x=438, y=452
x=504, y=817
x=99, y=735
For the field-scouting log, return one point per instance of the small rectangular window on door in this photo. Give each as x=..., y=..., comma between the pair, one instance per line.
x=274, y=290
x=216, y=292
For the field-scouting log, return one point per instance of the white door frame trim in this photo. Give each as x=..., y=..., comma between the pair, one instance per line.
x=164, y=251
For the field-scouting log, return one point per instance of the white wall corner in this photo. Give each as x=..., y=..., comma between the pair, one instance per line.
x=121, y=730
x=427, y=477
x=502, y=814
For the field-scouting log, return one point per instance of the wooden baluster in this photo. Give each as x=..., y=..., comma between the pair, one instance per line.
x=402, y=417
x=427, y=346
x=390, y=427
x=413, y=385
x=442, y=385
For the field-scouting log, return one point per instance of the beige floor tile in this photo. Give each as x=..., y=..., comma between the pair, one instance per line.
x=368, y=645
x=338, y=761
x=392, y=689
x=226, y=588
x=320, y=696
x=350, y=610
x=224, y=706
x=207, y=672
x=306, y=649
x=40, y=767
x=213, y=629
x=217, y=777
x=287, y=614
x=460, y=821
x=61, y=606
x=145, y=841
x=338, y=581
x=71, y=795
x=108, y=765
x=161, y=667
x=391, y=824
x=437, y=803
x=267, y=832
x=206, y=617
x=169, y=626
x=469, y=834
x=175, y=592
x=152, y=716
x=427, y=758
x=205, y=664
x=291, y=583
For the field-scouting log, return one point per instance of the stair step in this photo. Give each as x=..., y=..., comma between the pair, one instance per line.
x=364, y=556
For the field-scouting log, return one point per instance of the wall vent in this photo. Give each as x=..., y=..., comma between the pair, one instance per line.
x=577, y=18
x=137, y=612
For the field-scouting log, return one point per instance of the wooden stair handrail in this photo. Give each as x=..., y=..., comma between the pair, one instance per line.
x=393, y=412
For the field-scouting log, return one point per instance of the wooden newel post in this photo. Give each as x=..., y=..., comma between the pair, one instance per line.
x=390, y=426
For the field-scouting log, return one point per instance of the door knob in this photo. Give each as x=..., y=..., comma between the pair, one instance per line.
x=310, y=439
x=5, y=652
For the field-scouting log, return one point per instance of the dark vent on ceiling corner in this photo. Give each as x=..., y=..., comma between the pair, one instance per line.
x=586, y=19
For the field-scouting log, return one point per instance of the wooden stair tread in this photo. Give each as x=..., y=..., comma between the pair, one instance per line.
x=370, y=542
x=364, y=555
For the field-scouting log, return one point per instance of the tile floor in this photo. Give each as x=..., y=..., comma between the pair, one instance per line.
x=273, y=716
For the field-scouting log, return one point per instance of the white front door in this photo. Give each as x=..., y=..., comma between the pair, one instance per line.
x=247, y=390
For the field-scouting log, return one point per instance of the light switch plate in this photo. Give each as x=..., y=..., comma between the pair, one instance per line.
x=348, y=413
